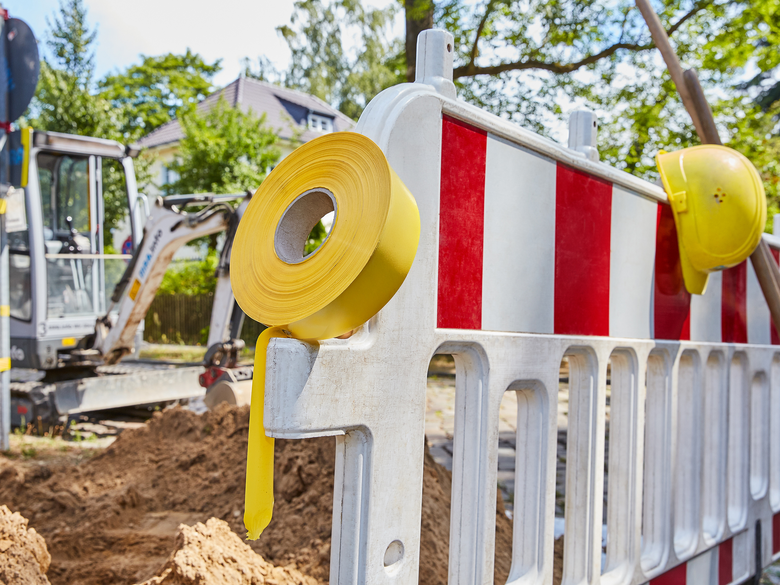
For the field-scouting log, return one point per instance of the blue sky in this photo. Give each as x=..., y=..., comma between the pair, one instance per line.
x=228, y=29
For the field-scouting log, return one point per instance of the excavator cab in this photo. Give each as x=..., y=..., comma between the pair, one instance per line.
x=74, y=219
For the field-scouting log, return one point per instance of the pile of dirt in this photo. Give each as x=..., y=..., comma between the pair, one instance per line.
x=212, y=554
x=435, y=534
x=113, y=518
x=23, y=555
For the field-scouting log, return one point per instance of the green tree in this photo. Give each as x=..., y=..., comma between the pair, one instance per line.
x=534, y=61
x=191, y=277
x=70, y=41
x=158, y=89
x=224, y=150
x=321, y=66
x=61, y=104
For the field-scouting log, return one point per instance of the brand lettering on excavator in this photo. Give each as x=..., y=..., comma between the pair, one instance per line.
x=145, y=266
x=17, y=353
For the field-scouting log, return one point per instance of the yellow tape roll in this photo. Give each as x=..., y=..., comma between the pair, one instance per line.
x=341, y=285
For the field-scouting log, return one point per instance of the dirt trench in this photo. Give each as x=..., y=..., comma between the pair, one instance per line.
x=113, y=518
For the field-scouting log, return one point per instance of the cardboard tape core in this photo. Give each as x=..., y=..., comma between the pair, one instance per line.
x=297, y=222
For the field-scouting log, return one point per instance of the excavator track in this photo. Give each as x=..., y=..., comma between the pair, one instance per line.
x=47, y=404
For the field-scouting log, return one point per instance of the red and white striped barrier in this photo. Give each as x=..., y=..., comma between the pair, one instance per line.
x=529, y=252
x=569, y=253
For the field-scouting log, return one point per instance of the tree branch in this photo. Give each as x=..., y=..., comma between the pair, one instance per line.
x=480, y=28
x=471, y=69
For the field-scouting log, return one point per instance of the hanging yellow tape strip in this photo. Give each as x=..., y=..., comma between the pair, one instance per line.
x=5, y=364
x=335, y=289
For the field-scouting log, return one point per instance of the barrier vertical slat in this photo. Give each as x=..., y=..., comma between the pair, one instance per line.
x=672, y=303
x=583, y=218
x=734, y=311
x=461, y=222
x=725, y=562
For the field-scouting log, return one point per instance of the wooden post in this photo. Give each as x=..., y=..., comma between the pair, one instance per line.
x=689, y=88
x=661, y=40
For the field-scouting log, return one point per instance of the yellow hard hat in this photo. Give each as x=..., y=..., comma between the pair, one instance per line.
x=719, y=208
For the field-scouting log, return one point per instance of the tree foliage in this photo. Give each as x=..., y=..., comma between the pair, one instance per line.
x=157, y=90
x=62, y=105
x=224, y=150
x=323, y=66
x=535, y=61
x=70, y=41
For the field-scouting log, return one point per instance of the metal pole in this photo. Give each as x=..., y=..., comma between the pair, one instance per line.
x=5, y=338
x=5, y=324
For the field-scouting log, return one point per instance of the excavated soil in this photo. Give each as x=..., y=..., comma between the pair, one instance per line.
x=113, y=518
x=212, y=554
x=23, y=555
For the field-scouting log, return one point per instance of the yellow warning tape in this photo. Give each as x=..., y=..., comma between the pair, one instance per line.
x=341, y=285
x=5, y=311
x=5, y=364
x=27, y=135
x=3, y=205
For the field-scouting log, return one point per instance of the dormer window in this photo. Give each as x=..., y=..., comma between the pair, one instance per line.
x=320, y=123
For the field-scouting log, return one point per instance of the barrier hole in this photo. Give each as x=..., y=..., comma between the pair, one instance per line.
x=437, y=475
x=509, y=417
x=737, y=462
x=774, y=435
x=759, y=431
x=715, y=419
x=394, y=553
x=656, y=501
x=523, y=431
x=560, y=470
x=607, y=419
x=302, y=229
x=620, y=445
x=687, y=472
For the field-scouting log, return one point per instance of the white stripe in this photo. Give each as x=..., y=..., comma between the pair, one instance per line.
x=706, y=311
x=758, y=318
x=631, y=264
x=518, y=272
x=703, y=570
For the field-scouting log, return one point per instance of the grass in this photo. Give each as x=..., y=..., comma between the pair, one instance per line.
x=184, y=353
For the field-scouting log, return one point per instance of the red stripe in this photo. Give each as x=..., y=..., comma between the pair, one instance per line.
x=583, y=220
x=676, y=576
x=775, y=336
x=776, y=533
x=734, y=308
x=726, y=562
x=671, y=302
x=461, y=225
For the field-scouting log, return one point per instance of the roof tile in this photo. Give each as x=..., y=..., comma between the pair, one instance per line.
x=286, y=111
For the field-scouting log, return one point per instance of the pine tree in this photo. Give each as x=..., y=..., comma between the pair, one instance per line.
x=70, y=41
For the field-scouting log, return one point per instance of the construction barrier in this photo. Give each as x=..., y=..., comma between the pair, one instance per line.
x=530, y=252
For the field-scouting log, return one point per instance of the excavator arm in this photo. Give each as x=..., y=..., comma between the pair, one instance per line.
x=168, y=228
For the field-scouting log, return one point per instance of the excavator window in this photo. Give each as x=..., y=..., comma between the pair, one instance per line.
x=20, y=277
x=64, y=182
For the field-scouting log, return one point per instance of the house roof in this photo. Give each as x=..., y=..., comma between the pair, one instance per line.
x=286, y=111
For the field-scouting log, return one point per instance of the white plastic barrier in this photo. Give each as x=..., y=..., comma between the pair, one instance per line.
x=530, y=252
